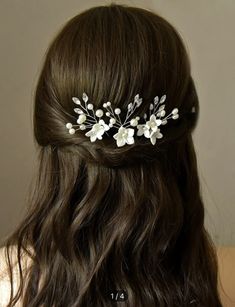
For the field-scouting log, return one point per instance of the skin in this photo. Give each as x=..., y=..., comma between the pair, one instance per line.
x=226, y=259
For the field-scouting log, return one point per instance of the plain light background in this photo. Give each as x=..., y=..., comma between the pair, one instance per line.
x=207, y=28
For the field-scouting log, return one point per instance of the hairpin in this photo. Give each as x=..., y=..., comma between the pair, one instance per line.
x=88, y=118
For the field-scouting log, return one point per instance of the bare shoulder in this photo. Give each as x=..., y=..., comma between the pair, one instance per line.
x=226, y=282
x=5, y=285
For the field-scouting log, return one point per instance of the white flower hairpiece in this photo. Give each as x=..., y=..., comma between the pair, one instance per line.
x=88, y=118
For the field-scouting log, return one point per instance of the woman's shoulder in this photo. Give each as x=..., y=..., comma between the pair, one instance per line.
x=5, y=285
x=226, y=278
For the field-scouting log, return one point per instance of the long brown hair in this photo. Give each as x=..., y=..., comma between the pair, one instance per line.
x=102, y=218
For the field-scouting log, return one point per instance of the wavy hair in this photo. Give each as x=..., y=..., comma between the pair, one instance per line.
x=101, y=218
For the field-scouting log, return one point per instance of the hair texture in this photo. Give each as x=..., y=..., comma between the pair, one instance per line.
x=102, y=218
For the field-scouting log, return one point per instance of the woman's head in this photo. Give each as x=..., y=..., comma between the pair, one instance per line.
x=112, y=53
x=104, y=218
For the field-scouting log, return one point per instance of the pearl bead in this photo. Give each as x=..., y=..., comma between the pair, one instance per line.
x=82, y=127
x=105, y=105
x=71, y=131
x=175, y=116
x=90, y=106
x=117, y=111
x=69, y=125
x=175, y=111
x=108, y=103
x=134, y=122
x=107, y=113
x=99, y=113
x=112, y=120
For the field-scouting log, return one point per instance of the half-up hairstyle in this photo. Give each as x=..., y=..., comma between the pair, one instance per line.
x=102, y=218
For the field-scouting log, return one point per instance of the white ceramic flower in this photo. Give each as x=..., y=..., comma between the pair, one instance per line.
x=124, y=136
x=153, y=123
x=97, y=130
x=143, y=129
x=150, y=126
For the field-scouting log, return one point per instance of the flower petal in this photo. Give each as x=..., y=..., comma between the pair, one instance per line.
x=120, y=142
x=153, y=140
x=146, y=133
x=140, y=131
x=115, y=136
x=159, y=135
x=93, y=138
x=130, y=132
x=89, y=133
x=130, y=140
x=158, y=122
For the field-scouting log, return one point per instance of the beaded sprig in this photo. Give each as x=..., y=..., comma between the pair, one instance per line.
x=90, y=119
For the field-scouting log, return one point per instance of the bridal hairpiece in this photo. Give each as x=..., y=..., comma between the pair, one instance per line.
x=90, y=119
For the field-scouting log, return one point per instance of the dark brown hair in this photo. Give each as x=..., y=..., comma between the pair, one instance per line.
x=103, y=218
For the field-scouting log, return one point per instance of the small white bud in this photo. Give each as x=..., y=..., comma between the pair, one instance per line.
x=77, y=110
x=163, y=98
x=156, y=99
x=69, y=125
x=139, y=102
x=129, y=106
x=162, y=107
x=175, y=111
x=163, y=112
x=81, y=119
x=76, y=100
x=175, y=116
x=84, y=97
x=136, y=98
